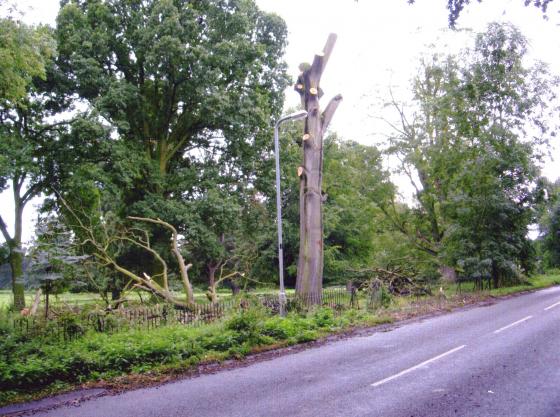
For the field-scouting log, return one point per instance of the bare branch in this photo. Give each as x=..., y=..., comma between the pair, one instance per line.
x=4, y=230
x=329, y=111
x=320, y=60
x=183, y=269
x=31, y=192
x=155, y=255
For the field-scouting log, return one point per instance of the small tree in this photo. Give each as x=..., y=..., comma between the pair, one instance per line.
x=25, y=51
x=53, y=260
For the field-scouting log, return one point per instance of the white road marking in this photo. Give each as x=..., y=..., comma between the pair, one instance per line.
x=552, y=306
x=513, y=324
x=406, y=371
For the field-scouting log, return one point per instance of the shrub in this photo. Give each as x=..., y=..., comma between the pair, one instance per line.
x=249, y=325
x=323, y=318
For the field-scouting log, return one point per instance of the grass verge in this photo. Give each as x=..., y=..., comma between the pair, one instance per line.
x=31, y=368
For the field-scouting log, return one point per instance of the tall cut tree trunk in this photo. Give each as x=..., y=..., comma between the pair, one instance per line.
x=310, y=262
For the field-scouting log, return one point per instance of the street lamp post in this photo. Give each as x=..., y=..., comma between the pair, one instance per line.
x=282, y=295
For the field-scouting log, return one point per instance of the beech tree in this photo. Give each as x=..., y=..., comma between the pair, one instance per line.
x=310, y=262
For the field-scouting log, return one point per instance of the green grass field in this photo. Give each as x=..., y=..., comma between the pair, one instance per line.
x=6, y=298
x=73, y=299
x=538, y=281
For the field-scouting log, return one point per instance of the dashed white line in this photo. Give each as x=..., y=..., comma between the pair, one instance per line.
x=406, y=371
x=512, y=324
x=552, y=306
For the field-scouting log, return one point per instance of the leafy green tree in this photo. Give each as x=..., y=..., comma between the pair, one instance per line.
x=211, y=236
x=552, y=238
x=185, y=86
x=354, y=180
x=472, y=152
x=25, y=52
x=54, y=264
x=510, y=118
x=430, y=151
x=549, y=225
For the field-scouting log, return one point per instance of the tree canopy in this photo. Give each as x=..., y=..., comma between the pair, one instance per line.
x=471, y=151
x=189, y=90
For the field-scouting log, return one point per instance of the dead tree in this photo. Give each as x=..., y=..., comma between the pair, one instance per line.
x=310, y=262
x=103, y=242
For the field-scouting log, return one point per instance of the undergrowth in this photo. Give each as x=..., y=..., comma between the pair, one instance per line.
x=28, y=364
x=47, y=364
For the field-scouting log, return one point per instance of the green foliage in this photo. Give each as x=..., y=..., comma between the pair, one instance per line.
x=471, y=158
x=549, y=225
x=323, y=317
x=245, y=322
x=385, y=297
x=29, y=362
x=354, y=180
x=189, y=90
x=23, y=52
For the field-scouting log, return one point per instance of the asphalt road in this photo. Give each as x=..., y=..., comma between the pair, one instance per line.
x=499, y=360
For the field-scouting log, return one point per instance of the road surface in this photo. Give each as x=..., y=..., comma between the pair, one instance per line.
x=499, y=360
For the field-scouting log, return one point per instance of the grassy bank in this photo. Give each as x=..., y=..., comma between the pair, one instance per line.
x=31, y=367
x=28, y=365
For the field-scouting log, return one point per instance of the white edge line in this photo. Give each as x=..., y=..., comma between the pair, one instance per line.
x=552, y=306
x=406, y=371
x=512, y=324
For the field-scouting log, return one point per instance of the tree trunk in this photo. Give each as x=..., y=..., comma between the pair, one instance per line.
x=310, y=262
x=496, y=275
x=116, y=289
x=212, y=274
x=212, y=290
x=16, y=252
x=36, y=302
x=235, y=290
x=448, y=273
x=18, y=287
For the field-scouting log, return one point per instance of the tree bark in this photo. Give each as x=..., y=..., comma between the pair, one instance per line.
x=212, y=292
x=309, y=279
x=212, y=267
x=36, y=302
x=18, y=287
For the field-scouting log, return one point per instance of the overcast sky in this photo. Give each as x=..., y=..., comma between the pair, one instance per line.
x=379, y=43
